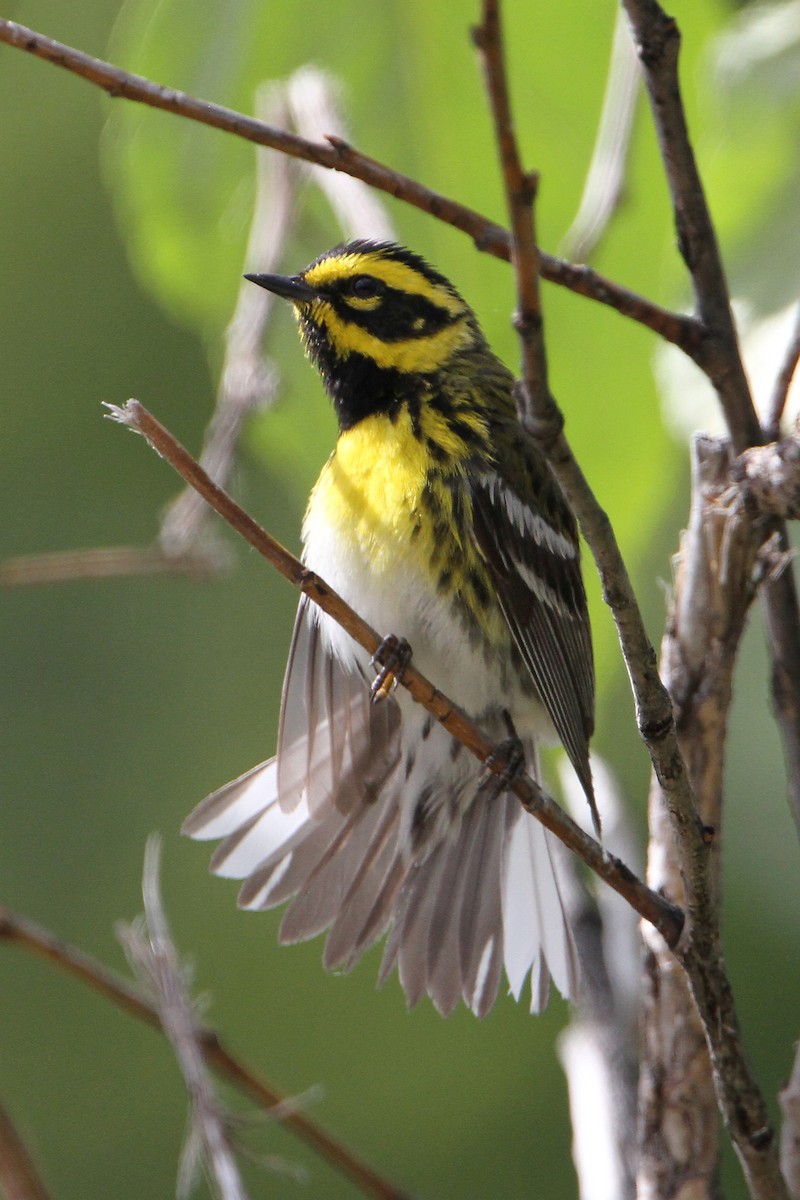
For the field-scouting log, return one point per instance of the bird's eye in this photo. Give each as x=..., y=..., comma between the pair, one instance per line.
x=365, y=287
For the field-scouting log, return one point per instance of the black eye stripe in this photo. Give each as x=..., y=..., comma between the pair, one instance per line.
x=366, y=286
x=400, y=316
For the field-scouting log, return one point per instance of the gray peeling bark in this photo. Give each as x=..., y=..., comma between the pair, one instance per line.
x=717, y=572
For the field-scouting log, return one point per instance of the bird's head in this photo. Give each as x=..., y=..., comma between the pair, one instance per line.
x=376, y=320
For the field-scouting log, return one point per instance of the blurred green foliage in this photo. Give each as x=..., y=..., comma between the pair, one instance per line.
x=124, y=701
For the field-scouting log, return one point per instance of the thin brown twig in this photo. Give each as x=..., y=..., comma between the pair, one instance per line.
x=658, y=43
x=19, y=1178
x=540, y=410
x=783, y=382
x=664, y=916
x=337, y=155
x=654, y=710
x=31, y=936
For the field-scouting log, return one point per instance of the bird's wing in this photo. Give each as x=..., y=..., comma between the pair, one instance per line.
x=535, y=569
x=336, y=750
x=330, y=734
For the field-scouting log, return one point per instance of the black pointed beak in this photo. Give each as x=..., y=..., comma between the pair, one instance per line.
x=291, y=287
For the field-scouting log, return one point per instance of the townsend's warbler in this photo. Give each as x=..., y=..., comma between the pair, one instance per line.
x=437, y=519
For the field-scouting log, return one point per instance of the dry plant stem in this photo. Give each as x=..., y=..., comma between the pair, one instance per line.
x=664, y=916
x=152, y=953
x=337, y=155
x=33, y=937
x=782, y=617
x=19, y=1179
x=723, y=557
x=598, y=1058
x=313, y=100
x=781, y=606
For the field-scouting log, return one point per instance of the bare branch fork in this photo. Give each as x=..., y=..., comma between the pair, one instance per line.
x=663, y=915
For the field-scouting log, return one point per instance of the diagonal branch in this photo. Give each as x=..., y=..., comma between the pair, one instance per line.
x=654, y=908
x=337, y=155
x=35, y=938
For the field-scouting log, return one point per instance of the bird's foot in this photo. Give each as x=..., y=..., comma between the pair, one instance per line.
x=390, y=661
x=506, y=762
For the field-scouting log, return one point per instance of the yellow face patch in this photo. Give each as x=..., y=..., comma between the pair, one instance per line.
x=418, y=354
x=394, y=274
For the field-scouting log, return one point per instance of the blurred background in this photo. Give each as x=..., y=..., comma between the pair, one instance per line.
x=125, y=700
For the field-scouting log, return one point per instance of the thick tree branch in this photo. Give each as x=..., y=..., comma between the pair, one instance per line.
x=35, y=938
x=336, y=155
x=664, y=916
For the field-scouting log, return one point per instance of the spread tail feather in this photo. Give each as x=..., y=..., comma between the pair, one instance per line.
x=329, y=826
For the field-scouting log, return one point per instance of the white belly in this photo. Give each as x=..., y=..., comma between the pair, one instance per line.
x=402, y=601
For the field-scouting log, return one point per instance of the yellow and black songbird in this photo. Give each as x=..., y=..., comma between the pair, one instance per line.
x=438, y=520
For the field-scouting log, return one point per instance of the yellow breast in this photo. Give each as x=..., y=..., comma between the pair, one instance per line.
x=370, y=491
